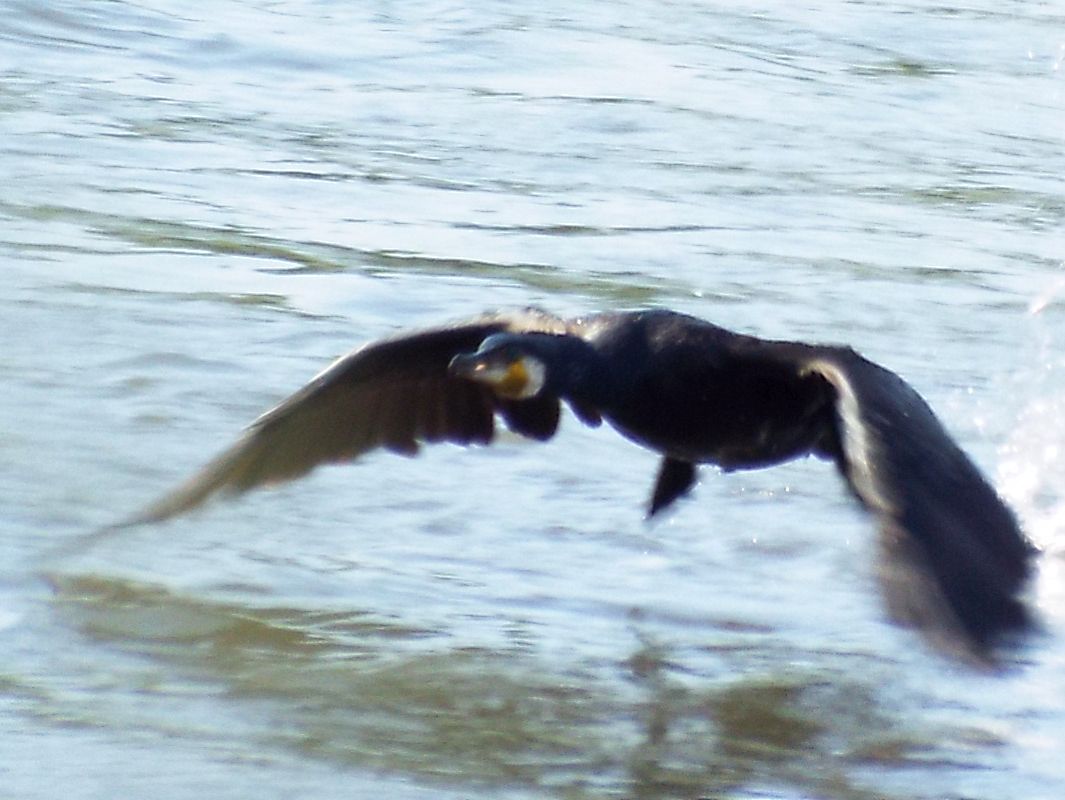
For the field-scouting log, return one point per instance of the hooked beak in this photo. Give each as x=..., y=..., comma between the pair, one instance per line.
x=509, y=379
x=468, y=365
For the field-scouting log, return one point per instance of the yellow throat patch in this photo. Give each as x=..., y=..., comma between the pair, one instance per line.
x=513, y=382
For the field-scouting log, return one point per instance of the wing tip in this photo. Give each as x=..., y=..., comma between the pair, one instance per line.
x=977, y=616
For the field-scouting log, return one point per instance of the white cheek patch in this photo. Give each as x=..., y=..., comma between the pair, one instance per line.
x=536, y=377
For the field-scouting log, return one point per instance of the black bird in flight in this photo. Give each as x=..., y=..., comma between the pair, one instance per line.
x=953, y=561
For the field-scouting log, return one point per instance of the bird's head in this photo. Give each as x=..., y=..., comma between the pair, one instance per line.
x=505, y=363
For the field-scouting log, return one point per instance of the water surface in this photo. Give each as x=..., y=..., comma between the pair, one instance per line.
x=202, y=207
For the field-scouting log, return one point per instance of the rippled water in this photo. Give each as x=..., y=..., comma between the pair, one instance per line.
x=202, y=205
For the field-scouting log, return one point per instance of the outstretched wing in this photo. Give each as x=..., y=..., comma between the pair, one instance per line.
x=954, y=559
x=392, y=394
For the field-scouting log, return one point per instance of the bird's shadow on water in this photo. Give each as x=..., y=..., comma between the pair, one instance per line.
x=370, y=693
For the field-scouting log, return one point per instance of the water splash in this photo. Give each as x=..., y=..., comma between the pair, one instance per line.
x=1032, y=460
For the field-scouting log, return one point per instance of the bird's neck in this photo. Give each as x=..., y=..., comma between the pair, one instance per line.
x=579, y=372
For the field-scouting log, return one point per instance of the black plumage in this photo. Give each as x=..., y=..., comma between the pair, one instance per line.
x=954, y=559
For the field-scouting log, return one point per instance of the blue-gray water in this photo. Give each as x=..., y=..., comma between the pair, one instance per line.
x=202, y=204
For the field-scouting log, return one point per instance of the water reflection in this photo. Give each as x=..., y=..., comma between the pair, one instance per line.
x=352, y=688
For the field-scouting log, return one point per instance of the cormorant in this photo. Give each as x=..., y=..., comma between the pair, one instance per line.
x=953, y=560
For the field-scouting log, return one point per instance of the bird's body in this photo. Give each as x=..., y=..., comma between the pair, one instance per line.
x=954, y=559
x=696, y=392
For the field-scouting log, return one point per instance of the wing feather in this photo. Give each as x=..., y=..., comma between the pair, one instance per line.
x=394, y=393
x=954, y=558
